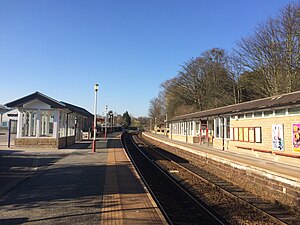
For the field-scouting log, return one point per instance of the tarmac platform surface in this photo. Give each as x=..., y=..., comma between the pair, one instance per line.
x=74, y=186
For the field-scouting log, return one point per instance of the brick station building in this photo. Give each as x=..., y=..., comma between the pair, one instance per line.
x=268, y=125
x=46, y=122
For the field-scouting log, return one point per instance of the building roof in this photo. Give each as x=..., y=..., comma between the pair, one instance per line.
x=260, y=104
x=77, y=109
x=36, y=95
x=3, y=109
x=50, y=101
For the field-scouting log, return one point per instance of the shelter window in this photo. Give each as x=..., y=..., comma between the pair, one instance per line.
x=294, y=110
x=280, y=112
x=29, y=120
x=46, y=125
x=61, y=124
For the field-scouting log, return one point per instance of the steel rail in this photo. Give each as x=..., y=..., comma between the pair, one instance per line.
x=145, y=182
x=180, y=187
x=217, y=186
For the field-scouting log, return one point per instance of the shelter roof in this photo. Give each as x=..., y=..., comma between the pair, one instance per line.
x=50, y=101
x=77, y=109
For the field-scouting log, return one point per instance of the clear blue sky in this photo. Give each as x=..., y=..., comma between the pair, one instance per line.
x=62, y=47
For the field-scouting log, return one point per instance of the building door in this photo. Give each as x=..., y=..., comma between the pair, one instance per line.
x=203, y=132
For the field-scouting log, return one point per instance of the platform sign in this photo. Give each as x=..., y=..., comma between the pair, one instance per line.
x=296, y=137
x=277, y=137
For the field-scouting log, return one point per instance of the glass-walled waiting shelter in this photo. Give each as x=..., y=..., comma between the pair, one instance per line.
x=46, y=122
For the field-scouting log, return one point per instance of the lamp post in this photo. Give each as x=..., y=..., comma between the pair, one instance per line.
x=96, y=87
x=105, y=133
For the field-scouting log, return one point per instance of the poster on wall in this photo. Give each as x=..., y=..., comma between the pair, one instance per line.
x=246, y=134
x=277, y=137
x=296, y=137
x=241, y=134
x=236, y=134
x=251, y=134
x=258, y=134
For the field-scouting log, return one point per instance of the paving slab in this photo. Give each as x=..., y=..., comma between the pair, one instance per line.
x=65, y=192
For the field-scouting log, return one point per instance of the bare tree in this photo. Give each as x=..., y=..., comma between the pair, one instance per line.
x=157, y=108
x=202, y=83
x=273, y=51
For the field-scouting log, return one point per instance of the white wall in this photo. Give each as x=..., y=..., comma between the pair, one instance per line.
x=9, y=116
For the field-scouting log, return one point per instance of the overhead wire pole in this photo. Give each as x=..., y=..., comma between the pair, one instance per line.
x=96, y=87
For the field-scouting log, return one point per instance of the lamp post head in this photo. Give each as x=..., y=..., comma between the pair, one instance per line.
x=96, y=87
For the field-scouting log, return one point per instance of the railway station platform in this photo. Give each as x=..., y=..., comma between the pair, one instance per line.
x=125, y=198
x=288, y=170
x=74, y=186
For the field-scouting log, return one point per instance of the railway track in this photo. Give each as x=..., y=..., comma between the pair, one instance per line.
x=234, y=204
x=178, y=205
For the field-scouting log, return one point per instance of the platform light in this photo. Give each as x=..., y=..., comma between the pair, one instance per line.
x=96, y=88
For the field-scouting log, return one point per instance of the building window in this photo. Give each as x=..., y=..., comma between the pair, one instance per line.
x=217, y=127
x=29, y=120
x=46, y=124
x=294, y=110
x=248, y=115
x=222, y=132
x=280, y=112
x=258, y=114
x=227, y=127
x=241, y=116
x=268, y=113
